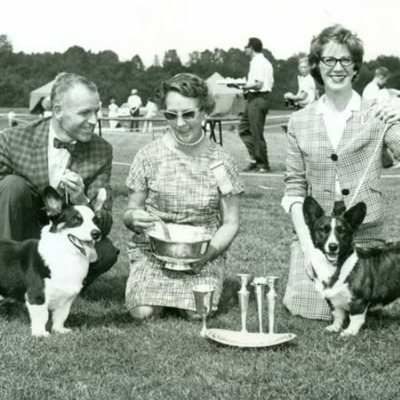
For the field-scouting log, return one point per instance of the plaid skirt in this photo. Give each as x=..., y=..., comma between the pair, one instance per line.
x=301, y=298
x=150, y=284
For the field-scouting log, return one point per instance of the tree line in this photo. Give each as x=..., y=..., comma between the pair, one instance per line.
x=21, y=73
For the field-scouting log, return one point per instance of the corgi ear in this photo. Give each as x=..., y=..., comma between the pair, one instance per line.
x=355, y=215
x=97, y=202
x=311, y=211
x=52, y=201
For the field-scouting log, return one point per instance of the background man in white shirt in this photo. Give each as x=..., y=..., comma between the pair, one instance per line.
x=259, y=85
x=134, y=103
x=375, y=90
x=307, y=92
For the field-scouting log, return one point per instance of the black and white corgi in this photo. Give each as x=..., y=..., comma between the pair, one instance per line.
x=351, y=279
x=48, y=273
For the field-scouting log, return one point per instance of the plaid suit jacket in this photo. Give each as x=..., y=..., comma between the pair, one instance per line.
x=312, y=163
x=24, y=152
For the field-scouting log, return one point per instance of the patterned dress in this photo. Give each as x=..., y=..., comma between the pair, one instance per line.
x=181, y=190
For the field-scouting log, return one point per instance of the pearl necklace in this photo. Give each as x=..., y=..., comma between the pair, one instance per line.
x=190, y=144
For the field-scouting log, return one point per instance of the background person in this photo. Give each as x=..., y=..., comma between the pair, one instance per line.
x=11, y=119
x=330, y=144
x=30, y=161
x=259, y=85
x=307, y=92
x=171, y=179
x=151, y=111
x=113, y=113
x=376, y=90
x=134, y=103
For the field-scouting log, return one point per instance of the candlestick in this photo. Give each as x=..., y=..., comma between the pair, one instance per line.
x=243, y=294
x=271, y=295
x=259, y=284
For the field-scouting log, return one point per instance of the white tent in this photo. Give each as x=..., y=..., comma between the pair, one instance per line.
x=38, y=95
x=228, y=101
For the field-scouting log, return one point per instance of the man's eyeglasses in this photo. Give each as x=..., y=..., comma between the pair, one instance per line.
x=331, y=61
x=187, y=115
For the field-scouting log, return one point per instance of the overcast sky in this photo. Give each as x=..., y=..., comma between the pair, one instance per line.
x=149, y=27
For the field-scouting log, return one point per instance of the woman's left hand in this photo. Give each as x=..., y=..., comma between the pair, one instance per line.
x=210, y=255
x=388, y=111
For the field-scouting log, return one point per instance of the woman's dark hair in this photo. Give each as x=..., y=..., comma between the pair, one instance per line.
x=188, y=85
x=340, y=35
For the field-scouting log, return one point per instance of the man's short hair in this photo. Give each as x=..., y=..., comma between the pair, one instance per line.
x=382, y=71
x=304, y=60
x=65, y=82
x=255, y=44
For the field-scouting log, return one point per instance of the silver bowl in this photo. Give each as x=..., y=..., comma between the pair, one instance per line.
x=187, y=243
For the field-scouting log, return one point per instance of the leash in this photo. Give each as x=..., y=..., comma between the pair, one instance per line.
x=360, y=183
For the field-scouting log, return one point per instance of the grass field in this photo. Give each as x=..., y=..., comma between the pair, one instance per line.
x=110, y=356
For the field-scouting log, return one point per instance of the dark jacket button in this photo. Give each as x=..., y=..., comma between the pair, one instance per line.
x=334, y=157
x=345, y=192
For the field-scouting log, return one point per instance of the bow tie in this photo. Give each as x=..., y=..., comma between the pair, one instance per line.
x=58, y=144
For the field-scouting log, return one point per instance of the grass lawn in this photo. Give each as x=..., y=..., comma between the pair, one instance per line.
x=110, y=356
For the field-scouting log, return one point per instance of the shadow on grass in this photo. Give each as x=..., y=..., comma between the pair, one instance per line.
x=253, y=195
x=111, y=289
x=381, y=319
x=13, y=310
x=109, y=319
x=229, y=296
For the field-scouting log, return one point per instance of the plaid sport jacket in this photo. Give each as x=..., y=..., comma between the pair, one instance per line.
x=23, y=152
x=312, y=163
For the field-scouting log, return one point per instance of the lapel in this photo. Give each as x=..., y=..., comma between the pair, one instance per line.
x=358, y=124
x=78, y=158
x=324, y=138
x=39, y=153
x=319, y=132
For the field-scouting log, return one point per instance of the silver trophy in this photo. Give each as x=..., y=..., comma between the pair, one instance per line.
x=271, y=295
x=243, y=294
x=203, y=296
x=259, y=285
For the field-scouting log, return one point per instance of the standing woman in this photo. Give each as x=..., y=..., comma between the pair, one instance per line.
x=171, y=179
x=330, y=146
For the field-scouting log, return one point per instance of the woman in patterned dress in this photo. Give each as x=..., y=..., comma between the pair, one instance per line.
x=170, y=179
x=330, y=145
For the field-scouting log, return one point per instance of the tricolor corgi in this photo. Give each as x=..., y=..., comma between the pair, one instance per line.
x=351, y=279
x=48, y=273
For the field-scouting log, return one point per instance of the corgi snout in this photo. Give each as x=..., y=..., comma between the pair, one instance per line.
x=333, y=247
x=95, y=234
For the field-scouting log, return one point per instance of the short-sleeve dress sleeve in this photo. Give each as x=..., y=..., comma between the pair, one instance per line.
x=138, y=173
x=234, y=176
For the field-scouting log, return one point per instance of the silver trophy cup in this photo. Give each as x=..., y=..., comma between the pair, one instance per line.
x=203, y=296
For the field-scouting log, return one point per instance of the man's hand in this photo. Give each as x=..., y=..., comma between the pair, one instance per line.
x=73, y=184
x=234, y=85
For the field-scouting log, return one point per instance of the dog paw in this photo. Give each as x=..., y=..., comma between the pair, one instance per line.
x=333, y=328
x=41, y=334
x=62, y=330
x=348, y=333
